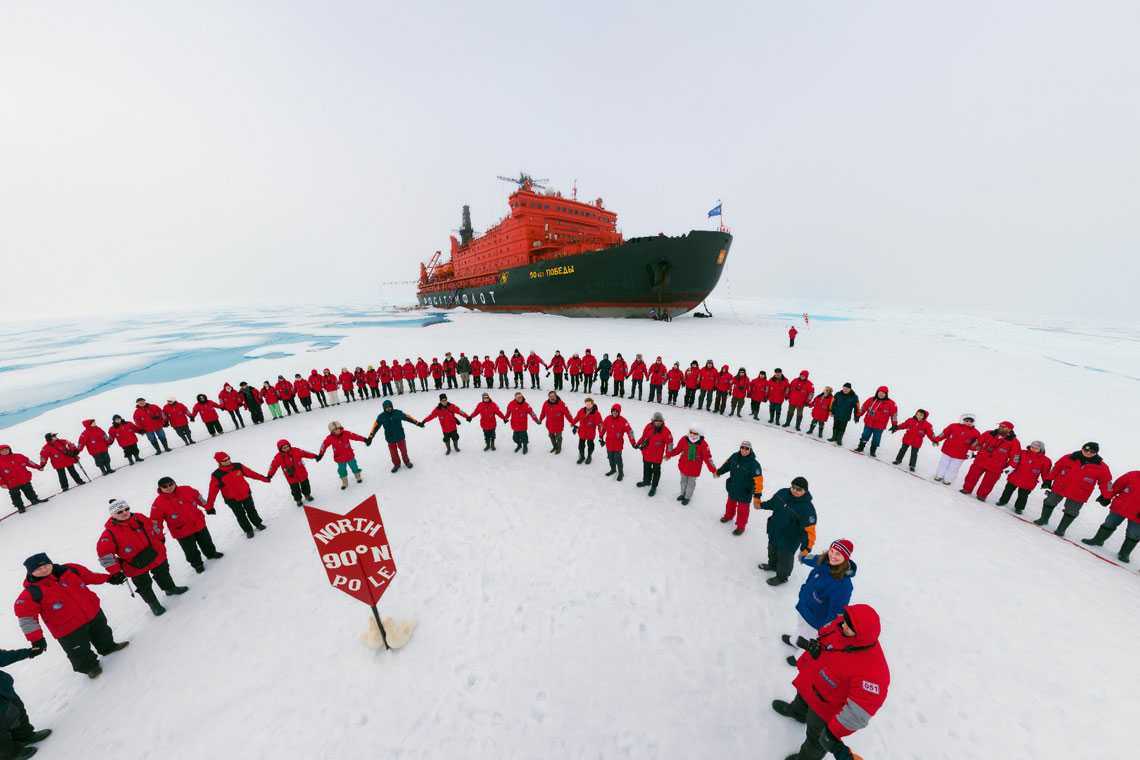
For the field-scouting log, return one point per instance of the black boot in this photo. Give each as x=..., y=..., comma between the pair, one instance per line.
x=447, y=446
x=1102, y=534
x=621, y=471
x=553, y=444
x=1126, y=550
x=785, y=709
x=1046, y=513
x=874, y=448
x=1066, y=521
x=898, y=459
x=147, y=595
x=644, y=475
x=862, y=445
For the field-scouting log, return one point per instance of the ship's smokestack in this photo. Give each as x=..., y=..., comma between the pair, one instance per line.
x=466, y=233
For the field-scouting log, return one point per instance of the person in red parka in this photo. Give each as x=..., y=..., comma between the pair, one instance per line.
x=231, y=401
x=558, y=369
x=489, y=368
x=502, y=367
x=180, y=508
x=959, y=439
x=673, y=381
x=272, y=400
x=877, y=412
x=151, y=421
x=341, y=442
x=517, y=412
x=451, y=368
x=1030, y=466
x=657, y=376
x=740, y=385
x=384, y=375
x=534, y=364
x=820, y=411
x=58, y=595
x=792, y=333
x=613, y=432
x=842, y=681
x=476, y=370
x=1124, y=504
x=15, y=477
x=574, y=371
x=286, y=392
x=126, y=434
x=97, y=443
x=637, y=373
x=707, y=386
x=800, y=391
x=448, y=415
x=316, y=387
x=488, y=410
x=229, y=480
x=291, y=461
x=723, y=386
x=345, y=378
x=993, y=452
x=332, y=387
x=917, y=428
x=589, y=371
x=178, y=417
x=63, y=455
x=518, y=365
x=758, y=393
x=693, y=451
x=777, y=390
x=207, y=410
x=692, y=383
x=619, y=371
x=135, y=546
x=555, y=414
x=410, y=374
x=1073, y=478
x=585, y=424
x=435, y=369
x=655, y=442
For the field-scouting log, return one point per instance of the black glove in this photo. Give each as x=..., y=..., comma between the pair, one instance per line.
x=574, y=429
x=367, y=441
x=1104, y=501
x=829, y=743
x=320, y=456
x=1047, y=485
x=894, y=428
x=117, y=579
x=211, y=511
x=39, y=647
x=811, y=647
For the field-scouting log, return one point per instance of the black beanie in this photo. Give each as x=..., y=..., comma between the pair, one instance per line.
x=36, y=560
x=1092, y=446
x=800, y=482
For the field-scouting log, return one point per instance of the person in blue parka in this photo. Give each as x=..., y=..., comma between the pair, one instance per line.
x=825, y=593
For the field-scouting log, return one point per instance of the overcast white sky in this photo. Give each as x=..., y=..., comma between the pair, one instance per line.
x=169, y=155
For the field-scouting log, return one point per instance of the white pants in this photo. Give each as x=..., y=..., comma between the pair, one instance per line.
x=948, y=468
x=334, y=396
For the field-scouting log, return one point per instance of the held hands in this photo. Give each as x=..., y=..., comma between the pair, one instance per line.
x=211, y=511
x=1104, y=501
x=39, y=647
x=1047, y=485
x=804, y=552
x=117, y=579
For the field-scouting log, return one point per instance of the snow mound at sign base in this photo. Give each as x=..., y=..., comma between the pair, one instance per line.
x=397, y=632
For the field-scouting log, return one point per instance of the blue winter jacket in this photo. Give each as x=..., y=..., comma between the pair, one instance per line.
x=823, y=597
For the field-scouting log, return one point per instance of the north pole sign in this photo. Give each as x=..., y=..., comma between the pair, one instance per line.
x=354, y=550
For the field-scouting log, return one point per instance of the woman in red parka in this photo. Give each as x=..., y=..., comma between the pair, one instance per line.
x=135, y=546
x=231, y=401
x=877, y=412
x=422, y=372
x=1030, y=466
x=489, y=368
x=1074, y=478
x=436, y=371
x=126, y=434
x=723, y=386
x=657, y=374
x=613, y=433
x=476, y=370
x=317, y=387
x=291, y=461
x=994, y=451
x=619, y=370
x=448, y=415
x=384, y=374
x=692, y=383
x=556, y=414
x=1124, y=505
x=286, y=392
x=207, y=410
x=502, y=367
x=708, y=378
x=303, y=391
x=340, y=440
x=331, y=386
x=740, y=385
x=758, y=393
x=917, y=428
x=959, y=439
x=777, y=390
x=178, y=417
x=63, y=455
x=820, y=411
x=673, y=380
x=372, y=380
x=693, y=451
x=96, y=441
x=180, y=508
x=409, y=372
x=518, y=364
x=15, y=477
x=488, y=410
x=517, y=412
x=585, y=424
x=589, y=371
x=637, y=374
x=574, y=370
x=655, y=442
x=346, y=379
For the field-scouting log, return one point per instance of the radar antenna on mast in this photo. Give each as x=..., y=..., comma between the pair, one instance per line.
x=525, y=181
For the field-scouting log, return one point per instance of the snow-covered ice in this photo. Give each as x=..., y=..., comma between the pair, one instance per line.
x=561, y=614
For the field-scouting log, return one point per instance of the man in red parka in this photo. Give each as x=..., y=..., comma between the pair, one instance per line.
x=151, y=421
x=517, y=412
x=877, y=412
x=555, y=414
x=488, y=411
x=657, y=375
x=655, y=442
x=291, y=461
x=692, y=383
x=448, y=415
x=207, y=411
x=585, y=424
x=619, y=370
x=637, y=374
x=673, y=380
x=821, y=410
x=574, y=371
x=993, y=452
x=518, y=364
x=799, y=391
x=97, y=443
x=758, y=393
x=63, y=455
x=693, y=451
x=589, y=371
x=135, y=546
x=58, y=595
x=613, y=432
x=15, y=477
x=707, y=385
x=178, y=415
x=1124, y=505
x=180, y=509
x=777, y=391
x=534, y=363
x=502, y=367
x=842, y=681
x=792, y=333
x=1073, y=479
x=229, y=480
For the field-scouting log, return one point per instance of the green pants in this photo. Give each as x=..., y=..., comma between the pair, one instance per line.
x=342, y=468
x=275, y=410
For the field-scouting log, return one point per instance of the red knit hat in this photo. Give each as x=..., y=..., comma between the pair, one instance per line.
x=221, y=456
x=844, y=547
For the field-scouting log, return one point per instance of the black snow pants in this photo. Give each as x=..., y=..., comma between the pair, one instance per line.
x=197, y=544
x=77, y=644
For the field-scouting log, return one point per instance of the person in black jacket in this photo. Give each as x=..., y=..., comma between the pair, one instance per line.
x=605, y=366
x=842, y=410
x=745, y=483
x=252, y=401
x=463, y=366
x=791, y=528
x=16, y=731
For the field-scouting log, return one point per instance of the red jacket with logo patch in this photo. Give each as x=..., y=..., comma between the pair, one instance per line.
x=180, y=510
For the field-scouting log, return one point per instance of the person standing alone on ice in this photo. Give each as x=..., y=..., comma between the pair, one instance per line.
x=585, y=424
x=448, y=415
x=556, y=414
x=291, y=461
x=229, y=480
x=341, y=442
x=693, y=451
x=792, y=333
x=995, y=451
x=655, y=441
x=824, y=594
x=959, y=437
x=392, y=420
x=1124, y=505
x=745, y=483
x=917, y=428
x=517, y=412
x=180, y=508
x=791, y=528
x=488, y=411
x=613, y=432
x=1073, y=478
x=842, y=681
x=877, y=412
x=1030, y=466
x=135, y=546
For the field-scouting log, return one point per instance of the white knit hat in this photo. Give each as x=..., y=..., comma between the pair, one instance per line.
x=117, y=504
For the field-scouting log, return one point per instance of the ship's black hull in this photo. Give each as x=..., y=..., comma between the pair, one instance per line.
x=642, y=278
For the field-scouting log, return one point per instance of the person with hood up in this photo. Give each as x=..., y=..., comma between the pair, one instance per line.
x=791, y=528
x=1030, y=466
x=589, y=371
x=448, y=415
x=825, y=593
x=612, y=433
x=14, y=476
x=1123, y=504
x=1073, y=479
x=637, y=374
x=674, y=378
x=777, y=392
x=745, y=483
x=341, y=442
x=291, y=461
x=63, y=455
x=229, y=480
x=231, y=401
x=136, y=547
x=707, y=386
x=917, y=428
x=517, y=412
x=657, y=375
x=842, y=681
x=392, y=421
x=251, y=400
x=960, y=438
x=97, y=443
x=585, y=424
x=555, y=414
x=317, y=388
x=693, y=451
x=488, y=411
x=843, y=409
x=740, y=385
x=272, y=400
x=178, y=416
x=655, y=442
x=723, y=386
x=150, y=419
x=17, y=733
x=605, y=366
x=58, y=595
x=993, y=452
x=800, y=391
x=820, y=411
x=758, y=393
x=180, y=509
x=126, y=434
x=877, y=413
x=207, y=411
x=619, y=370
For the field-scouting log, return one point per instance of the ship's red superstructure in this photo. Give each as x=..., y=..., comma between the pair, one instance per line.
x=541, y=226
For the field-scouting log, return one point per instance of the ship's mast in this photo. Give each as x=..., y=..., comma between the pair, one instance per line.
x=466, y=233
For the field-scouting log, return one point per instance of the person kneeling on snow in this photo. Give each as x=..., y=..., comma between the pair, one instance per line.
x=842, y=681
x=790, y=528
x=745, y=483
x=135, y=546
x=824, y=594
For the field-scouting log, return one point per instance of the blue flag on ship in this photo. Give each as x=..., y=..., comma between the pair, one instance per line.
x=715, y=211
